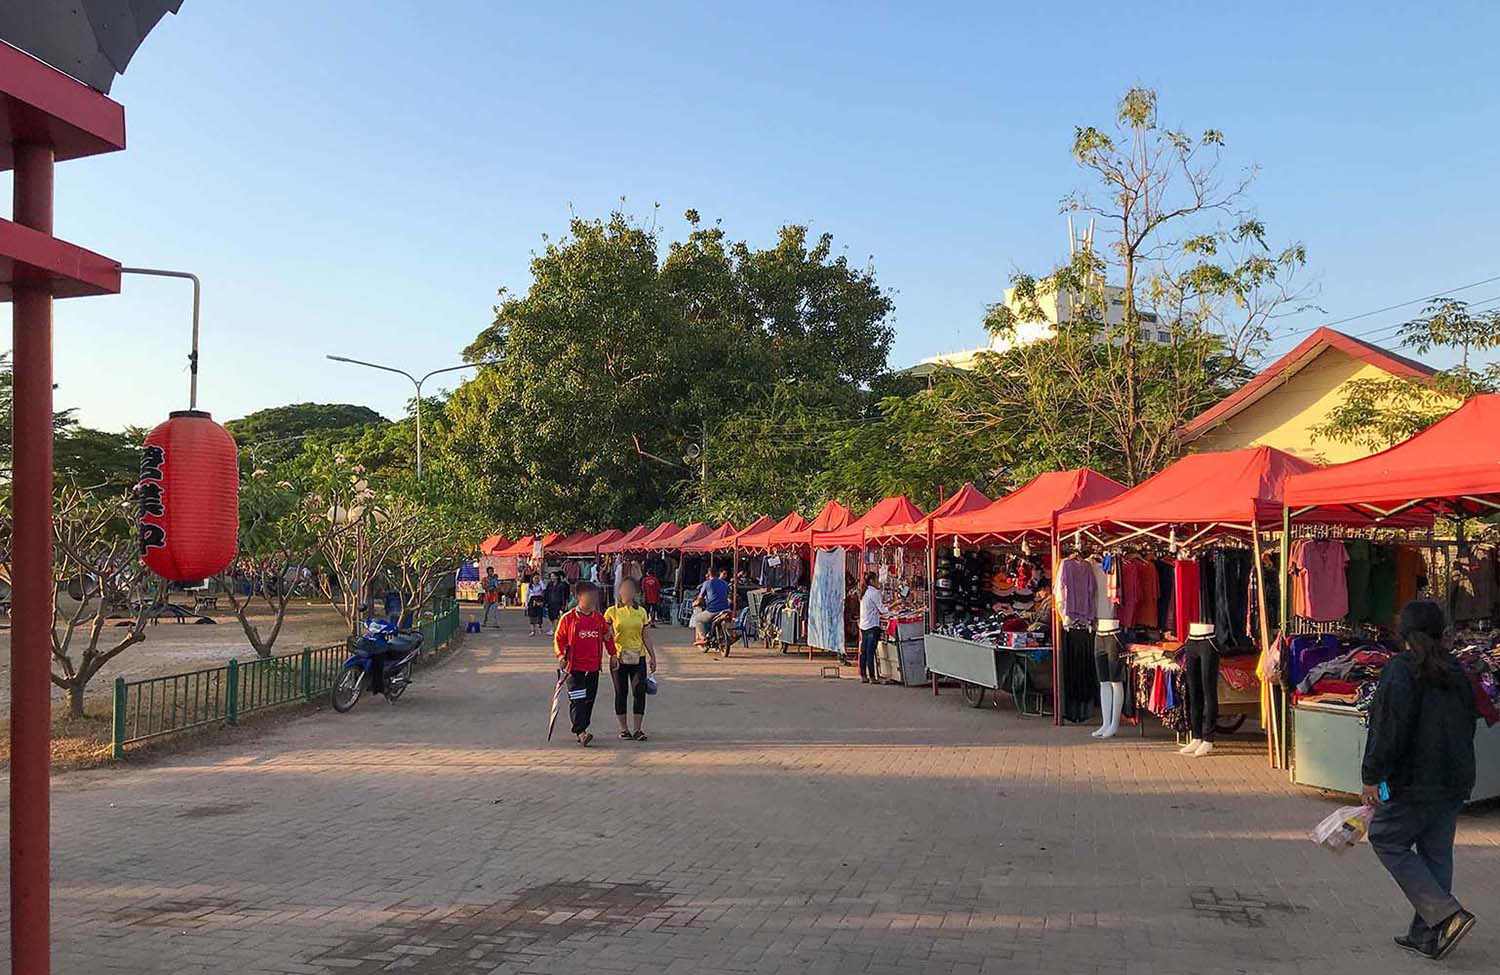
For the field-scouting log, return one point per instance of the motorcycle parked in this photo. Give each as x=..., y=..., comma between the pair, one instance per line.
x=381, y=661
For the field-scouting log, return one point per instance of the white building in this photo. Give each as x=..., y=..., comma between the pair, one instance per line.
x=1056, y=309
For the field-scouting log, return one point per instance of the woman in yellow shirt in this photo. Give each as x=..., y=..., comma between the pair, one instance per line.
x=628, y=619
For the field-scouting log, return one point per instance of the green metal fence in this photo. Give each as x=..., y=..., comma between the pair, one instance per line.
x=156, y=706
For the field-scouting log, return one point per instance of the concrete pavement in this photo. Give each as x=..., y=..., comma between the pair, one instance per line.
x=776, y=822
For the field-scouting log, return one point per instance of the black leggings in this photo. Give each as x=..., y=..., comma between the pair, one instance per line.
x=1201, y=661
x=624, y=677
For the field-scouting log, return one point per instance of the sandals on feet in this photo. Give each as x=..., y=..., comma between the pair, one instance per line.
x=585, y=738
x=640, y=736
x=626, y=735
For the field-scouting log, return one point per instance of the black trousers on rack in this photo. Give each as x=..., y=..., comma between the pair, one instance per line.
x=1201, y=662
x=1080, y=681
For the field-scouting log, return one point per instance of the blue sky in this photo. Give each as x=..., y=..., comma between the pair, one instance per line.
x=361, y=178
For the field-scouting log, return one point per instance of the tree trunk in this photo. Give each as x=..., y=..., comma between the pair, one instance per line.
x=75, y=696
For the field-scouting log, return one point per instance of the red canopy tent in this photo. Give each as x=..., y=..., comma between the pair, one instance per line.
x=493, y=545
x=525, y=546
x=592, y=544
x=711, y=541
x=625, y=542
x=1452, y=467
x=1230, y=491
x=833, y=516
x=762, y=539
x=655, y=538
x=571, y=544
x=890, y=511
x=1030, y=508
x=762, y=524
x=966, y=499
x=691, y=533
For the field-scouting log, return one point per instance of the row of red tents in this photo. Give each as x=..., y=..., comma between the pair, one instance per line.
x=1452, y=466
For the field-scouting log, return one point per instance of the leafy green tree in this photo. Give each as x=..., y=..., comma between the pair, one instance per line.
x=1190, y=265
x=267, y=437
x=1377, y=413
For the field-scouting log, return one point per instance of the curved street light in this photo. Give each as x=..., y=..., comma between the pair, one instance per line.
x=416, y=382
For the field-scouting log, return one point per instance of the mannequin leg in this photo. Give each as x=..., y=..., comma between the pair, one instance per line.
x=1106, y=708
x=1117, y=707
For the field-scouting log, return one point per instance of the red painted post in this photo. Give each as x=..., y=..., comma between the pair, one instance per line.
x=31, y=584
x=1054, y=545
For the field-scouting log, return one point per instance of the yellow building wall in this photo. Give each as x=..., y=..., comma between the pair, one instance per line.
x=1284, y=416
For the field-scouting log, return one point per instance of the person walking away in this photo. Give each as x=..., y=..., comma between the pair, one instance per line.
x=628, y=621
x=872, y=610
x=536, y=603
x=558, y=595
x=491, y=597
x=712, y=599
x=1418, y=772
x=651, y=591
x=581, y=640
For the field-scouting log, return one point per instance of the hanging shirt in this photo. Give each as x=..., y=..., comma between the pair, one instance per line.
x=1104, y=605
x=1076, y=591
x=1325, y=585
x=1185, y=589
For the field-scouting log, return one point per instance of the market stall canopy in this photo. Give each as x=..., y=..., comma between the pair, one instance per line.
x=525, y=546
x=1452, y=467
x=571, y=544
x=891, y=511
x=762, y=524
x=655, y=538
x=494, y=545
x=1203, y=494
x=686, y=536
x=625, y=542
x=719, y=538
x=965, y=499
x=1030, y=507
x=785, y=532
x=592, y=544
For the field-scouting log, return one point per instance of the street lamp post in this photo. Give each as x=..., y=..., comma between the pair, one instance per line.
x=415, y=382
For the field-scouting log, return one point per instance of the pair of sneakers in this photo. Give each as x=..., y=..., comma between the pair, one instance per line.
x=1196, y=748
x=1446, y=937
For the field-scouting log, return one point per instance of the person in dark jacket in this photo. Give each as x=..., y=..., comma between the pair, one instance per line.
x=1420, y=749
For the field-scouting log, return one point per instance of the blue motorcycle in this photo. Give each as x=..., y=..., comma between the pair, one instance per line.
x=381, y=661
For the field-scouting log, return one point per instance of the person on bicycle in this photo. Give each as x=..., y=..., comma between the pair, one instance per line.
x=581, y=640
x=712, y=599
x=628, y=621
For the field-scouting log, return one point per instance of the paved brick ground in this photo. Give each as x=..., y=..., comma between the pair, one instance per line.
x=776, y=822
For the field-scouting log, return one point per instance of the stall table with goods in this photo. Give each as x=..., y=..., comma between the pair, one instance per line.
x=994, y=617
x=1362, y=540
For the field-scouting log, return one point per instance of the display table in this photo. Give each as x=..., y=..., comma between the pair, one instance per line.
x=1025, y=673
x=1328, y=746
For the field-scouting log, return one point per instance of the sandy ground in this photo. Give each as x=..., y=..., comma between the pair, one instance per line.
x=172, y=647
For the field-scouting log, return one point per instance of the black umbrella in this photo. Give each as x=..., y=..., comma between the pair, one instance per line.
x=92, y=40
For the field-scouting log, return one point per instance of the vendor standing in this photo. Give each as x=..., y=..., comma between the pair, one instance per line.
x=872, y=611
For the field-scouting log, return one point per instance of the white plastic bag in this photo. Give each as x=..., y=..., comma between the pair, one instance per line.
x=1343, y=829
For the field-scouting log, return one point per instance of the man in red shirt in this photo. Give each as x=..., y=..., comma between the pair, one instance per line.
x=651, y=593
x=581, y=640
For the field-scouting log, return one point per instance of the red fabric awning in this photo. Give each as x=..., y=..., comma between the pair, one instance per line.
x=721, y=537
x=1030, y=507
x=654, y=538
x=1229, y=489
x=625, y=542
x=571, y=544
x=734, y=538
x=890, y=511
x=494, y=545
x=966, y=499
x=791, y=527
x=687, y=535
x=524, y=547
x=592, y=544
x=833, y=517
x=1453, y=466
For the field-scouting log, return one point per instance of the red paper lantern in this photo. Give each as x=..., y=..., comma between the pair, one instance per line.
x=190, y=498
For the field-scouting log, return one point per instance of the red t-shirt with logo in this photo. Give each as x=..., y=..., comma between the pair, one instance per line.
x=582, y=639
x=651, y=588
